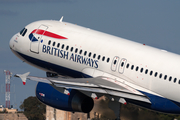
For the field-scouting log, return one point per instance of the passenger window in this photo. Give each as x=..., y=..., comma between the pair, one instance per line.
x=179, y=81
x=49, y=42
x=127, y=66
x=71, y=49
x=54, y=43
x=137, y=68
x=76, y=50
x=132, y=67
x=24, y=32
x=103, y=58
x=67, y=47
x=99, y=56
x=62, y=46
x=108, y=59
x=80, y=51
x=170, y=78
x=90, y=54
x=122, y=64
x=115, y=62
x=165, y=77
x=85, y=52
x=151, y=72
x=160, y=75
x=94, y=55
x=175, y=80
x=58, y=44
x=155, y=75
x=146, y=71
x=141, y=70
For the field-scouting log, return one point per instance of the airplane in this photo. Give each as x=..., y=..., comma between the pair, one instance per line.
x=82, y=65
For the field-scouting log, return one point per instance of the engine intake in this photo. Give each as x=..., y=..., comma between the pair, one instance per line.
x=81, y=102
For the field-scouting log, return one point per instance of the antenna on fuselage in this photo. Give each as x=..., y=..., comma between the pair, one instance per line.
x=61, y=19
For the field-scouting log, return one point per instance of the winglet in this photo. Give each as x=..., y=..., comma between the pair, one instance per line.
x=23, y=77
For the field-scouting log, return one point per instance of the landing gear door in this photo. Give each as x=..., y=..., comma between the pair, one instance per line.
x=114, y=63
x=36, y=37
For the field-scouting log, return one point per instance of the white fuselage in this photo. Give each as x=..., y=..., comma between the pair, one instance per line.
x=118, y=54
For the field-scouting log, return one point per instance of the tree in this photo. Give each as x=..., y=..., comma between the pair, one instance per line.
x=33, y=109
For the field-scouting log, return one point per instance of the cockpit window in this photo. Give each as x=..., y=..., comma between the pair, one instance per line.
x=23, y=31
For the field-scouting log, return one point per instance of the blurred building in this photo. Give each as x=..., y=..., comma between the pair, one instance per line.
x=55, y=114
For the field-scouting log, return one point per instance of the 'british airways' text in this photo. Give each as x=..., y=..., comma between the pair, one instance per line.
x=70, y=56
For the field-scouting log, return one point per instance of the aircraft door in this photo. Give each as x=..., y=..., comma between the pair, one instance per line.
x=122, y=65
x=114, y=63
x=36, y=37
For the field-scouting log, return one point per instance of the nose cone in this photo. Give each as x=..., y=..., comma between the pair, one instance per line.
x=11, y=43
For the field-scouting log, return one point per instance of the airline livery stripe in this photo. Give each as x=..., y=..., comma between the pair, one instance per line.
x=49, y=34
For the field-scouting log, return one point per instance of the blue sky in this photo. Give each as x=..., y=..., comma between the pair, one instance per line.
x=152, y=22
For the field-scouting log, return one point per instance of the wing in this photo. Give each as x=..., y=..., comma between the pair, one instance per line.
x=93, y=87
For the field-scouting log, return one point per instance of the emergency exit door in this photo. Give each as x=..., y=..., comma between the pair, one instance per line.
x=114, y=63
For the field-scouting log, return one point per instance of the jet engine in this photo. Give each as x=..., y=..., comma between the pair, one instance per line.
x=75, y=102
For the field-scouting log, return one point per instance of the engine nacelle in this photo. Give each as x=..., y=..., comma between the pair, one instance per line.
x=75, y=102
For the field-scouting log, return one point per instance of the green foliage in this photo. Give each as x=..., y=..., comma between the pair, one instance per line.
x=33, y=109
